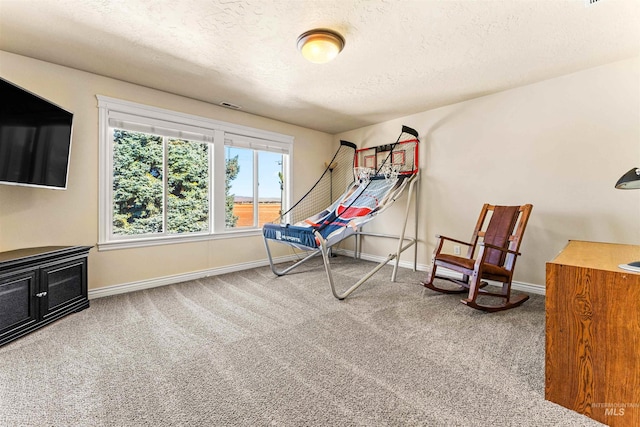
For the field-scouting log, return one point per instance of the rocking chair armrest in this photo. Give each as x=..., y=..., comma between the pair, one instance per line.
x=438, y=236
x=488, y=245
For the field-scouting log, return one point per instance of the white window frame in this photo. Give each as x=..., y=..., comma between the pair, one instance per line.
x=143, y=118
x=242, y=141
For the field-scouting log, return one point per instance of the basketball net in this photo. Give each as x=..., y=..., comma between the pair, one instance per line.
x=364, y=175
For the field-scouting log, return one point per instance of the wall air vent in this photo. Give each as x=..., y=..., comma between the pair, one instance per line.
x=230, y=105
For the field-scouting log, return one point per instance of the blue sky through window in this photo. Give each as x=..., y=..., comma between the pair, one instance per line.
x=269, y=164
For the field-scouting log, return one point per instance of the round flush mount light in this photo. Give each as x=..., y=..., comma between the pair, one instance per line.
x=320, y=45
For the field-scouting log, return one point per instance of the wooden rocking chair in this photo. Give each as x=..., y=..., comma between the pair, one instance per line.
x=495, y=260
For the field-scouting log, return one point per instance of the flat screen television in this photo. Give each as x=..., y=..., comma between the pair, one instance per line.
x=35, y=139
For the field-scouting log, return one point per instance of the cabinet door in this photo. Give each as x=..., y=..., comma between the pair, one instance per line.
x=18, y=309
x=65, y=284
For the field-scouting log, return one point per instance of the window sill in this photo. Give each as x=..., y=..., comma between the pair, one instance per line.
x=170, y=240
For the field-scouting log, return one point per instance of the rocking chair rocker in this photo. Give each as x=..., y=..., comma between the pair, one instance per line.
x=496, y=257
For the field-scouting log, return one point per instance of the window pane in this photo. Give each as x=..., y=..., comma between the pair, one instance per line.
x=239, y=187
x=137, y=183
x=270, y=186
x=187, y=186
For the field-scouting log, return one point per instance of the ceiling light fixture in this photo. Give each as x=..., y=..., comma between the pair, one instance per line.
x=320, y=45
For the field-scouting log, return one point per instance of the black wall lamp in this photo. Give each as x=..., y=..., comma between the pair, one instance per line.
x=630, y=181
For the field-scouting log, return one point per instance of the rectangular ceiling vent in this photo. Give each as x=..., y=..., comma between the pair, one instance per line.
x=230, y=105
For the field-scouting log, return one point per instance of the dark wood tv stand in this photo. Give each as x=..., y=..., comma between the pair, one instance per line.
x=40, y=285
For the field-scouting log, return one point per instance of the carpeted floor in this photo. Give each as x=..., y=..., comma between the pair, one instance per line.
x=250, y=349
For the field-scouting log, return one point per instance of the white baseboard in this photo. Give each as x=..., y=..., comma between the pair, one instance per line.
x=178, y=278
x=184, y=277
x=519, y=286
x=377, y=258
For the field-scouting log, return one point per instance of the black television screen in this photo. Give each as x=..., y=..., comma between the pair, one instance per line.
x=35, y=139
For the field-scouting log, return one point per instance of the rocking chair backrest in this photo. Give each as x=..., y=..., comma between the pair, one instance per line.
x=500, y=231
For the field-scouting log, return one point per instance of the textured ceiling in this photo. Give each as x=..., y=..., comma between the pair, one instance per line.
x=401, y=57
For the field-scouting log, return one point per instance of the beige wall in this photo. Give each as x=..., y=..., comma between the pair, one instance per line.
x=560, y=144
x=42, y=217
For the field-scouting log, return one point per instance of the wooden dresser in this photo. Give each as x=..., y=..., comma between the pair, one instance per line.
x=593, y=332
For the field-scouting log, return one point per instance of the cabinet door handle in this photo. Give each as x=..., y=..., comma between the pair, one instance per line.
x=41, y=294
